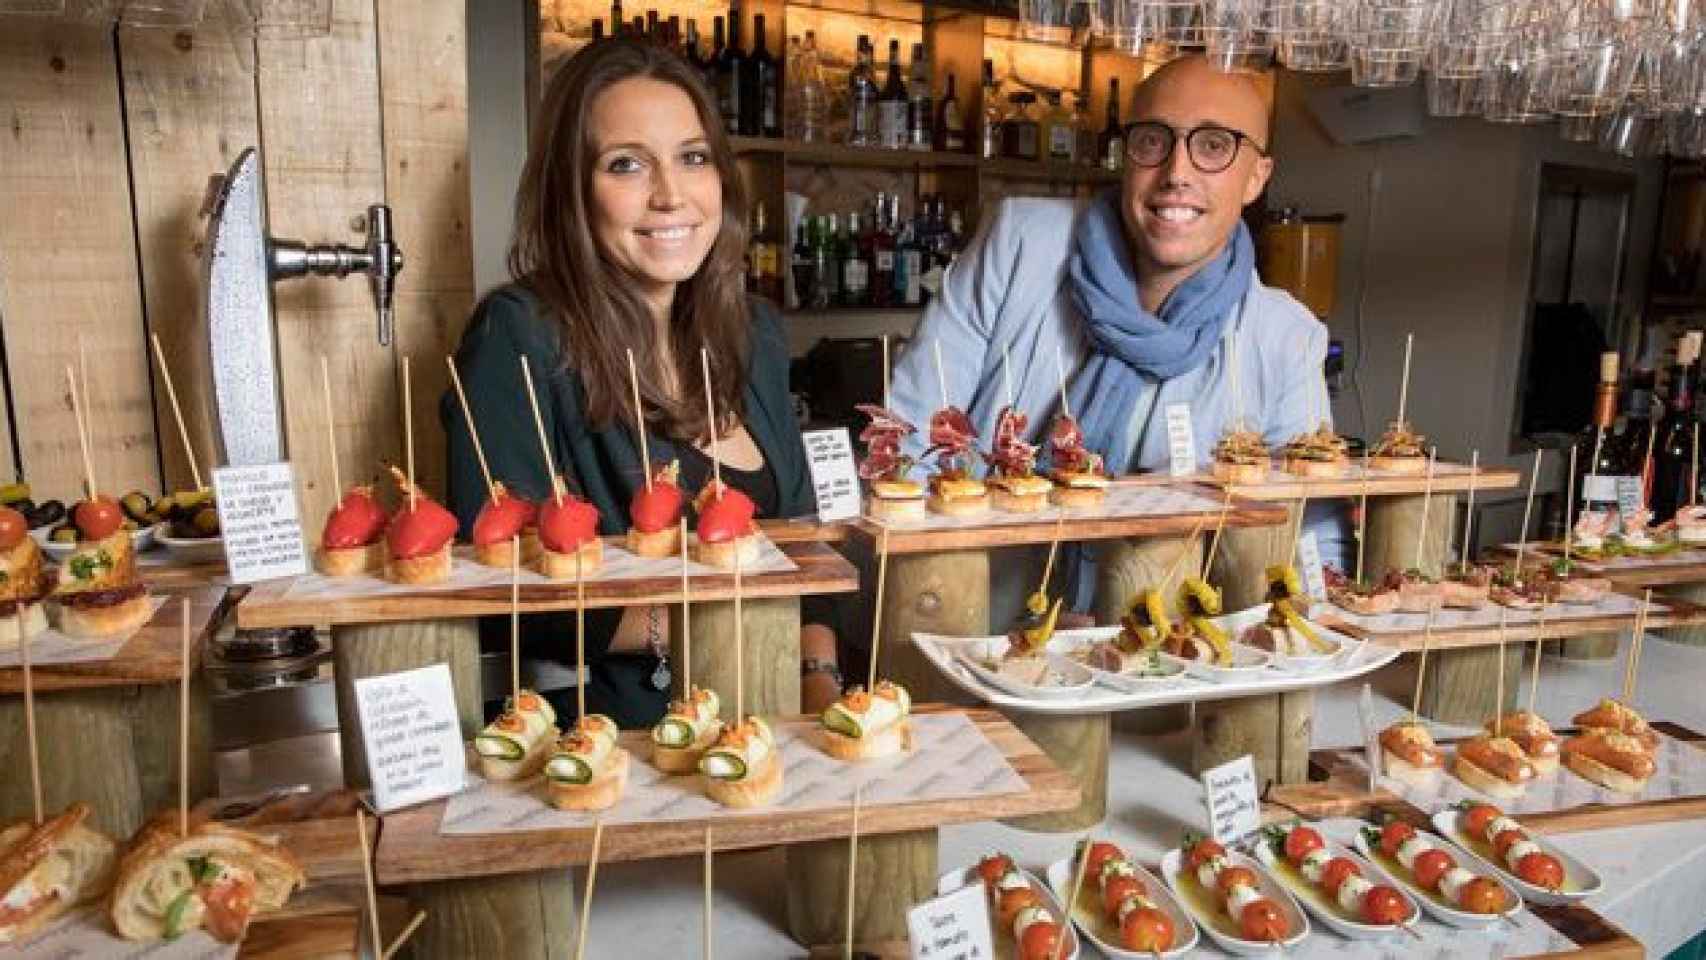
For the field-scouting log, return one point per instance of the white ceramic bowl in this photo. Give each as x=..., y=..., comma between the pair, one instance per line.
x=1341, y=921
x=956, y=879
x=1221, y=927
x=141, y=539
x=1436, y=903
x=1061, y=875
x=1580, y=880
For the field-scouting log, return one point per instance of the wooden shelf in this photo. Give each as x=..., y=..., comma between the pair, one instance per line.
x=152, y=655
x=1052, y=172
x=841, y=155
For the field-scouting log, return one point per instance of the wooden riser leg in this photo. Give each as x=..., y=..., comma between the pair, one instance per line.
x=115, y=747
x=1596, y=646
x=895, y=872
x=1079, y=746
x=1244, y=555
x=1462, y=684
x=771, y=657
x=941, y=593
x=1693, y=593
x=524, y=916
x=1124, y=570
x=1394, y=524
x=370, y=650
x=1274, y=729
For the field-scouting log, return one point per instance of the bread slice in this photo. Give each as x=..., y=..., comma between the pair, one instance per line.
x=1010, y=502
x=1606, y=776
x=349, y=561
x=1228, y=472
x=1411, y=466
x=959, y=506
x=501, y=553
x=891, y=741
x=895, y=508
x=1487, y=783
x=658, y=543
x=722, y=553
x=763, y=786
x=498, y=768
x=1077, y=498
x=682, y=760
x=62, y=846
x=109, y=620
x=600, y=794
x=432, y=568
x=1314, y=468
x=1405, y=772
x=562, y=566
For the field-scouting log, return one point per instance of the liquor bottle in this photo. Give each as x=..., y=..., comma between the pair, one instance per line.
x=908, y=259
x=891, y=105
x=1020, y=131
x=1673, y=454
x=597, y=29
x=713, y=63
x=1110, y=146
x=882, y=254
x=920, y=114
x=1059, y=138
x=652, y=25
x=950, y=122
x=826, y=258
x=1597, y=445
x=992, y=136
x=673, y=33
x=1084, y=152
x=618, y=22
x=862, y=99
x=691, y=42
x=812, y=95
x=765, y=267
x=803, y=265
x=761, y=107
x=637, y=27
x=855, y=265
x=731, y=76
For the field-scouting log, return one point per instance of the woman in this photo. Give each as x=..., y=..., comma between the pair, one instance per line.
x=630, y=233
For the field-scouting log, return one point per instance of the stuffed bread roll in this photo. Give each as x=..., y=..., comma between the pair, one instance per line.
x=1408, y=753
x=1534, y=735
x=686, y=731
x=48, y=869
x=216, y=878
x=743, y=768
x=516, y=743
x=1617, y=717
x=862, y=725
x=1494, y=765
x=1613, y=760
x=587, y=770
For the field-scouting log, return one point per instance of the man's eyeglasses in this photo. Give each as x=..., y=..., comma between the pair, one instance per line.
x=1149, y=143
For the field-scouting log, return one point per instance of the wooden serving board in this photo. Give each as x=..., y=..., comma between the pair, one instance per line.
x=1043, y=526
x=819, y=570
x=152, y=655
x=412, y=850
x=1668, y=612
x=1448, y=478
x=1634, y=572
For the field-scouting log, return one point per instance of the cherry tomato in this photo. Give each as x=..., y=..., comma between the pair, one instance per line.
x=657, y=508
x=1482, y=895
x=1099, y=854
x=502, y=518
x=1505, y=839
x=1476, y=818
x=564, y=526
x=230, y=903
x=1430, y=865
x=1040, y=942
x=1384, y=905
x=1116, y=890
x=1011, y=902
x=1263, y=921
x=97, y=519
x=1201, y=852
x=1300, y=842
x=13, y=528
x=993, y=867
x=725, y=517
x=1336, y=872
x=1393, y=835
x=1147, y=930
x=1234, y=877
x=420, y=530
x=356, y=521
x=1542, y=870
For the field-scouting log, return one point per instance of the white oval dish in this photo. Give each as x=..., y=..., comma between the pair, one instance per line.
x=140, y=539
x=1076, y=679
x=1061, y=875
x=1218, y=925
x=956, y=879
x=1236, y=623
x=1315, y=899
x=1580, y=880
x=192, y=549
x=1435, y=903
x=1248, y=663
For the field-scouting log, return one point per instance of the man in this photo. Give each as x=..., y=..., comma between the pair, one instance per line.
x=1147, y=298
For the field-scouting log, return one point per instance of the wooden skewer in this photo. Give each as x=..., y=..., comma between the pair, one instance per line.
x=1527, y=508
x=367, y=876
x=740, y=650
x=467, y=417
x=1404, y=382
x=852, y=869
x=640, y=422
x=1539, y=646
x=1219, y=527
x=1569, y=505
x=1647, y=464
x=1362, y=515
x=515, y=618
x=1469, y=511
x=1232, y=371
x=1072, y=898
x=184, y=723
x=1053, y=549
x=686, y=626
x=1297, y=530
x=177, y=411
x=580, y=638
x=1499, y=703
x=1422, y=668
x=402, y=938
x=877, y=606
x=711, y=420
x=409, y=431
x=941, y=375
x=1060, y=374
x=24, y=641
x=1006, y=375
x=1694, y=468
x=83, y=388
x=82, y=432
x=1427, y=501
x=591, y=881
x=1631, y=663
x=539, y=426
x=331, y=428
x=1185, y=554
x=886, y=386
x=707, y=917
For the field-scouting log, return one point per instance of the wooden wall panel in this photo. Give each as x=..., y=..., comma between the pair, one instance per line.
x=320, y=126
x=68, y=258
x=423, y=91
x=190, y=110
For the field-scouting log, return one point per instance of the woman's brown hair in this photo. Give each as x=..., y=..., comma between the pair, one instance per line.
x=595, y=303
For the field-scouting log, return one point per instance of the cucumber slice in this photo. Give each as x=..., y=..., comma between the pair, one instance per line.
x=568, y=768
x=672, y=732
x=723, y=766
x=498, y=746
x=841, y=720
x=183, y=909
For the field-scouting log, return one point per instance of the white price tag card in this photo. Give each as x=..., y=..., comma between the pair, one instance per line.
x=1234, y=806
x=259, y=521
x=952, y=927
x=1309, y=562
x=829, y=454
x=1181, y=441
x=412, y=735
x=1629, y=498
x=1370, y=736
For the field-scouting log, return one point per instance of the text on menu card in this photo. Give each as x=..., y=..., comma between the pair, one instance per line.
x=1234, y=807
x=1309, y=564
x=1181, y=441
x=829, y=455
x=259, y=522
x=413, y=737
x=952, y=927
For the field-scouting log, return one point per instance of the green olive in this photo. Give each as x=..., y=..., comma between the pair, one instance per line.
x=206, y=522
x=136, y=504
x=64, y=533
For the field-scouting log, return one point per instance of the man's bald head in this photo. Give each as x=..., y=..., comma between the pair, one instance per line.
x=1193, y=83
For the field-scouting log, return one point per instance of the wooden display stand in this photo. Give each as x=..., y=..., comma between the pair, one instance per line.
x=1079, y=744
x=1125, y=569
x=895, y=872
x=772, y=655
x=943, y=593
x=1462, y=684
x=1694, y=593
x=527, y=916
x=1243, y=558
x=371, y=650
x=1274, y=730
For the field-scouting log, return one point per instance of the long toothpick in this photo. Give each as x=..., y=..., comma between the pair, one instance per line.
x=1469, y=511
x=591, y=881
x=640, y=421
x=740, y=650
x=1053, y=548
x=331, y=427
x=367, y=875
x=409, y=431
x=1569, y=506
x=1527, y=508
x=711, y=420
x=707, y=916
x=1404, y=382
x=580, y=637
x=1072, y=898
x=877, y=606
x=1219, y=527
x=1427, y=501
x=177, y=411
x=886, y=377
x=1185, y=554
x=82, y=432
x=686, y=624
x=1362, y=515
x=1006, y=375
x=1499, y=703
x=468, y=418
x=515, y=618
x=184, y=723
x=402, y=938
x=941, y=374
x=1647, y=464
x=1297, y=530
x=852, y=869
x=24, y=642
x=1694, y=468
x=1232, y=370
x=1539, y=646
x=1060, y=374
x=539, y=427
x=1631, y=664
x=1422, y=667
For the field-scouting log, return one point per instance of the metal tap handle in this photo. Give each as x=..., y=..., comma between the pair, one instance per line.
x=380, y=260
x=385, y=261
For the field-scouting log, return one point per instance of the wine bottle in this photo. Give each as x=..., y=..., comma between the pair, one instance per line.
x=1673, y=453
x=862, y=109
x=1110, y=148
x=731, y=72
x=761, y=112
x=920, y=115
x=891, y=106
x=951, y=123
x=1600, y=466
